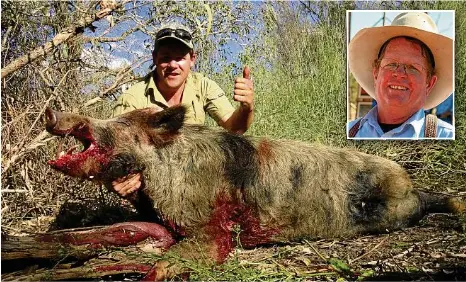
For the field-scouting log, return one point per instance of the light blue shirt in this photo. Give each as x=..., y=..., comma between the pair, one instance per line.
x=446, y=105
x=413, y=128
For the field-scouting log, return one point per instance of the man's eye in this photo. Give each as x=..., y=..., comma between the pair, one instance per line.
x=390, y=66
x=413, y=69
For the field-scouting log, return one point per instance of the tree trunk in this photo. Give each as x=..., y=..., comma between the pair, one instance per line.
x=84, y=253
x=94, y=268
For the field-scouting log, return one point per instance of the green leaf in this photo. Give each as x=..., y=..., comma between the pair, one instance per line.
x=339, y=265
x=366, y=274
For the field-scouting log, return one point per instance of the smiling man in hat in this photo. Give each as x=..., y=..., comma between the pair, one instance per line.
x=172, y=83
x=407, y=68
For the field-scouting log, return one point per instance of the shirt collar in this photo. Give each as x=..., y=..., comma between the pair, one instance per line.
x=188, y=92
x=371, y=119
x=416, y=121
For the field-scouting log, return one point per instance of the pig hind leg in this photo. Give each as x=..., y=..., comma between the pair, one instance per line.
x=396, y=204
x=408, y=210
x=437, y=203
x=382, y=201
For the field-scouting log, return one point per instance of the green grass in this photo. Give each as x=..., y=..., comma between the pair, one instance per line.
x=309, y=103
x=312, y=107
x=235, y=268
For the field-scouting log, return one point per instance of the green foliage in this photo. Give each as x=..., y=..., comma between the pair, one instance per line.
x=297, y=75
x=366, y=275
x=339, y=265
x=237, y=269
x=214, y=24
x=77, y=71
x=436, y=165
x=297, y=55
x=300, y=84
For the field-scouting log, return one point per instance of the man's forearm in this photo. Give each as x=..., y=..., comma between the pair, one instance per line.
x=240, y=120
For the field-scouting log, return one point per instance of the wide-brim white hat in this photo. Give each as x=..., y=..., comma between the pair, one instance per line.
x=365, y=46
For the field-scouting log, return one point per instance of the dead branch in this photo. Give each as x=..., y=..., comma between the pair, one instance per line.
x=94, y=268
x=39, y=140
x=316, y=251
x=60, y=38
x=111, y=39
x=370, y=251
x=106, y=250
x=20, y=247
x=5, y=37
x=123, y=76
x=85, y=242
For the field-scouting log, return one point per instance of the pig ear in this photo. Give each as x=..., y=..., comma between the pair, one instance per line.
x=170, y=119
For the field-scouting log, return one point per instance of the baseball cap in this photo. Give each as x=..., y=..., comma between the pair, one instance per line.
x=174, y=31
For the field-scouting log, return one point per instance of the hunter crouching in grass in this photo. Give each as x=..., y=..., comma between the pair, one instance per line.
x=173, y=83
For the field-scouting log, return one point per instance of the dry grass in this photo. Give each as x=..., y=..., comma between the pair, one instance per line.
x=311, y=108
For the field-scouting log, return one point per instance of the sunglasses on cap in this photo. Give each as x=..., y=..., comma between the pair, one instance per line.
x=179, y=33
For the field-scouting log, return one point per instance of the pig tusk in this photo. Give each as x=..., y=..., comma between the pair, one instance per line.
x=59, y=149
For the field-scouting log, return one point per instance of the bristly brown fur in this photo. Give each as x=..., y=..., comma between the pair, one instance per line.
x=275, y=190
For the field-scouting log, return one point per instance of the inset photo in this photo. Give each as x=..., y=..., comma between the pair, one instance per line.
x=400, y=82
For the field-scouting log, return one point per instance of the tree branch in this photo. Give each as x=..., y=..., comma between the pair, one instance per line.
x=127, y=247
x=60, y=38
x=40, y=139
x=111, y=39
x=123, y=76
x=94, y=268
x=5, y=37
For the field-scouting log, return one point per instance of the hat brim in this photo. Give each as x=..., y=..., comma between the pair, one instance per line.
x=186, y=43
x=364, y=48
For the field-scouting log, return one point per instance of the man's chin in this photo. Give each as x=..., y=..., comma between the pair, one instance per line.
x=399, y=104
x=399, y=99
x=173, y=84
x=394, y=103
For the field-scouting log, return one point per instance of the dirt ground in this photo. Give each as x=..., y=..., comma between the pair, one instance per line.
x=433, y=250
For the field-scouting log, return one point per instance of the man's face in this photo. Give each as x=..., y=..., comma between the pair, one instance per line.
x=173, y=63
x=401, y=81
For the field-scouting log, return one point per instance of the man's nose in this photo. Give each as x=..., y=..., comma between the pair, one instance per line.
x=173, y=63
x=400, y=70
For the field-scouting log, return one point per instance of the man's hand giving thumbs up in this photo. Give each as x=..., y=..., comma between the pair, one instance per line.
x=244, y=90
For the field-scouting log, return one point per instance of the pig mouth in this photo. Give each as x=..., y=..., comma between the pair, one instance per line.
x=86, y=163
x=86, y=144
x=73, y=162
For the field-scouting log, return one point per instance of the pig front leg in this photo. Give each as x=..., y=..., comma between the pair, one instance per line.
x=199, y=250
x=230, y=223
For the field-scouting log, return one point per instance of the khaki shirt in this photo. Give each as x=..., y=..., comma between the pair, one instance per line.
x=200, y=95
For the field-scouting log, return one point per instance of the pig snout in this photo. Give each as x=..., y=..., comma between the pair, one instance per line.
x=62, y=123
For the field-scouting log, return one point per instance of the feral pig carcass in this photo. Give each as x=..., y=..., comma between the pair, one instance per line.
x=205, y=182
